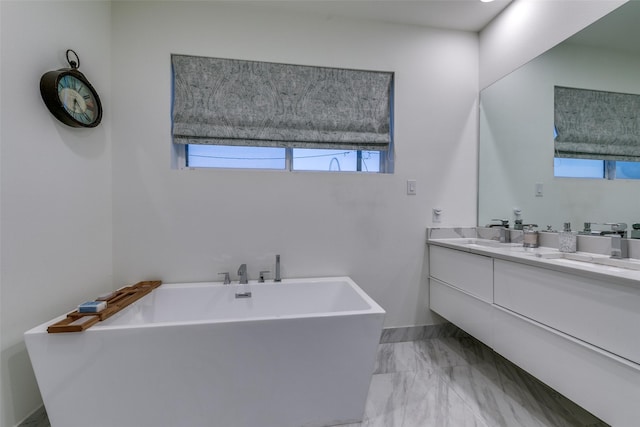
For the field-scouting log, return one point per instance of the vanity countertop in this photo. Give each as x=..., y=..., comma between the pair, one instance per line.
x=600, y=267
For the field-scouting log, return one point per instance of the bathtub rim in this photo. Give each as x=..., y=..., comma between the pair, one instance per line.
x=374, y=308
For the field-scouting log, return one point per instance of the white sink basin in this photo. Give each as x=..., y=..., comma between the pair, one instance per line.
x=490, y=244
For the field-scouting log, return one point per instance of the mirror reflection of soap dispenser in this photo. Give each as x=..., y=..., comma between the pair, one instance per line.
x=567, y=239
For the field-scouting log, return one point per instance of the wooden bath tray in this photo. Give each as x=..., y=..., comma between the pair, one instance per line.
x=116, y=301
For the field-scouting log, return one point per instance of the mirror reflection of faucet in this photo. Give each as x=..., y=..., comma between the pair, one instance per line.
x=619, y=228
x=587, y=228
x=616, y=228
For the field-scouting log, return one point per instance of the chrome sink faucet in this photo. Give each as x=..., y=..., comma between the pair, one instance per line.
x=242, y=272
x=505, y=233
x=502, y=223
x=619, y=248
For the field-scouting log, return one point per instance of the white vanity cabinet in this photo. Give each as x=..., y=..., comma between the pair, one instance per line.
x=576, y=332
x=461, y=290
x=603, y=313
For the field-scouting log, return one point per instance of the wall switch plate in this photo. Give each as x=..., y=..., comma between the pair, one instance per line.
x=539, y=189
x=411, y=187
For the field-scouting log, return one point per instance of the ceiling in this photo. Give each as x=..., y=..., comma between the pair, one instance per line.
x=462, y=15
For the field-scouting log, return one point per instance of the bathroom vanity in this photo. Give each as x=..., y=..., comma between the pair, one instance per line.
x=571, y=320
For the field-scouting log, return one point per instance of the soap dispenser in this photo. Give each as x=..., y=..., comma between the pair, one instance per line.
x=567, y=239
x=530, y=238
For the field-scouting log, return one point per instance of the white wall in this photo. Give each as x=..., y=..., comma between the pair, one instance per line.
x=527, y=28
x=517, y=141
x=183, y=225
x=55, y=183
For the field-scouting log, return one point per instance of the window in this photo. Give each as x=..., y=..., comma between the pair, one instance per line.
x=578, y=168
x=229, y=113
x=298, y=159
x=333, y=160
x=227, y=156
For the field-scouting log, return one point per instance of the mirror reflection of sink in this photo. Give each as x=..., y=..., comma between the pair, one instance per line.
x=597, y=260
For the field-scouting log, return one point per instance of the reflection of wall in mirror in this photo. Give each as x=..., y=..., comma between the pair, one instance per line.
x=516, y=141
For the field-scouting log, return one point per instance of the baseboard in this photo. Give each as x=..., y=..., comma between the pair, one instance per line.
x=424, y=332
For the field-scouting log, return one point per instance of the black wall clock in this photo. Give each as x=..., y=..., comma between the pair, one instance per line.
x=70, y=97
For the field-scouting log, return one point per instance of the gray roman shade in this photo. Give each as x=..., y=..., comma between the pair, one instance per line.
x=233, y=102
x=593, y=124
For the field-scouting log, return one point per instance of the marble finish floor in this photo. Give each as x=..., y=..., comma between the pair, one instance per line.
x=452, y=382
x=460, y=382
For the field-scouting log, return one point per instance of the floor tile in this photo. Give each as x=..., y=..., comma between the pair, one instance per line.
x=447, y=352
x=460, y=381
x=552, y=406
x=480, y=387
x=400, y=357
x=416, y=399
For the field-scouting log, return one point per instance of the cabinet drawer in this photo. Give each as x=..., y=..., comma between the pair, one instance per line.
x=601, y=384
x=603, y=314
x=469, y=272
x=468, y=313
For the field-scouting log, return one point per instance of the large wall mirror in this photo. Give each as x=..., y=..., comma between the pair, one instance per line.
x=516, y=151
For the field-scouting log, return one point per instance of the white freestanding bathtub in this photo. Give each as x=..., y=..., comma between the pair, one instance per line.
x=293, y=354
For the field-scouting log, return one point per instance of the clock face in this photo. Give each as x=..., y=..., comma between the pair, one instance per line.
x=78, y=99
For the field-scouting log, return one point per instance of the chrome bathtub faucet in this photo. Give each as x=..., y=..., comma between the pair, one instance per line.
x=227, y=279
x=277, y=278
x=262, y=273
x=242, y=272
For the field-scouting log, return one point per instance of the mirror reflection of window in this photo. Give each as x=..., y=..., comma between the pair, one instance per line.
x=600, y=169
x=581, y=168
x=627, y=170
